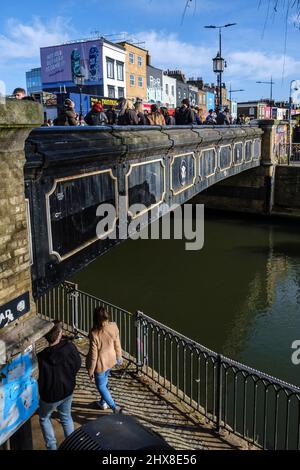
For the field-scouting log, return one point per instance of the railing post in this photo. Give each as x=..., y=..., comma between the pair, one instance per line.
x=74, y=307
x=138, y=339
x=219, y=392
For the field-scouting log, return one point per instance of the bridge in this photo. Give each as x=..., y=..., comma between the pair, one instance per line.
x=48, y=232
x=70, y=172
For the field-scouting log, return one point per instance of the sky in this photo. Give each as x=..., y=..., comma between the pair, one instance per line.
x=255, y=49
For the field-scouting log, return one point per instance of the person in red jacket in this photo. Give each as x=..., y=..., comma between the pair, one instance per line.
x=58, y=366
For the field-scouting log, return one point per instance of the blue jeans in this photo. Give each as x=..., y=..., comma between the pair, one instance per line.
x=101, y=380
x=45, y=411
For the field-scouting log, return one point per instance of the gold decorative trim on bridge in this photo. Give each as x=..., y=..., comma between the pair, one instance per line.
x=188, y=185
x=207, y=149
x=152, y=206
x=48, y=215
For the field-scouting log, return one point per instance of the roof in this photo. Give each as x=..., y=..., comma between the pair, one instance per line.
x=123, y=43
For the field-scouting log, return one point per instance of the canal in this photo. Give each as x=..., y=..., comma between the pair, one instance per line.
x=239, y=295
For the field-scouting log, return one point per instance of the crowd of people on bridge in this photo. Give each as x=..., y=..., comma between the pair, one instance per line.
x=128, y=114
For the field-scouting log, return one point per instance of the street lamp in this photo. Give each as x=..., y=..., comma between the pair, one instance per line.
x=79, y=81
x=271, y=83
x=290, y=118
x=218, y=62
x=233, y=91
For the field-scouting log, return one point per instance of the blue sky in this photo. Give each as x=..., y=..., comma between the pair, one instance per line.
x=254, y=48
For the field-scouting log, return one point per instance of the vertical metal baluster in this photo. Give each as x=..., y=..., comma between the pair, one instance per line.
x=245, y=408
x=265, y=418
x=234, y=401
x=214, y=389
x=226, y=393
x=153, y=351
x=184, y=370
x=191, y=377
x=254, y=412
x=171, y=362
x=298, y=431
x=158, y=355
x=165, y=359
x=199, y=383
x=177, y=367
x=276, y=422
x=206, y=385
x=287, y=424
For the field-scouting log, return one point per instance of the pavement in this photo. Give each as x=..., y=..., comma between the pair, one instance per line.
x=179, y=425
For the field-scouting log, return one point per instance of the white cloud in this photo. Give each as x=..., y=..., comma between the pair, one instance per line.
x=167, y=51
x=23, y=41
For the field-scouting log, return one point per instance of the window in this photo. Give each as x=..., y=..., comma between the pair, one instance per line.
x=110, y=64
x=131, y=57
x=184, y=94
x=120, y=71
x=167, y=89
x=140, y=82
x=140, y=61
x=111, y=91
x=132, y=80
x=120, y=92
x=173, y=91
x=179, y=94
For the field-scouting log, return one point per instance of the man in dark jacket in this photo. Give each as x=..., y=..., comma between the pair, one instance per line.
x=58, y=366
x=184, y=116
x=96, y=117
x=67, y=115
x=223, y=117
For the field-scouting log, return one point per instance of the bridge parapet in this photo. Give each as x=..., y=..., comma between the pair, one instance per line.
x=69, y=172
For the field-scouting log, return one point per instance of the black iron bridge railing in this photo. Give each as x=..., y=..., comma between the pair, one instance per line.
x=255, y=406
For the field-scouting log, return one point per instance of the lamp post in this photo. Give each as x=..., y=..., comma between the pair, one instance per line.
x=218, y=62
x=79, y=81
x=271, y=83
x=233, y=91
x=290, y=118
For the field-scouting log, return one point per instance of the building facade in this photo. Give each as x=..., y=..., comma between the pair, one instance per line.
x=154, y=85
x=34, y=81
x=101, y=63
x=169, y=91
x=136, y=71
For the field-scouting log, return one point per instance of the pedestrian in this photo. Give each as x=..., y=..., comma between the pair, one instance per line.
x=140, y=113
x=197, y=120
x=184, y=116
x=155, y=118
x=210, y=118
x=223, y=117
x=127, y=115
x=58, y=366
x=19, y=93
x=67, y=115
x=104, y=353
x=111, y=115
x=170, y=120
x=96, y=116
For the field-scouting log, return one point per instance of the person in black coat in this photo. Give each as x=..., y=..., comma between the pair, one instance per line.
x=127, y=115
x=58, y=366
x=96, y=116
x=184, y=116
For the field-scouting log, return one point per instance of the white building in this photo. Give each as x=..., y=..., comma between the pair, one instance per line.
x=169, y=91
x=114, y=73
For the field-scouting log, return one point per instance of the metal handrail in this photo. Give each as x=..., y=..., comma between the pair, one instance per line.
x=261, y=409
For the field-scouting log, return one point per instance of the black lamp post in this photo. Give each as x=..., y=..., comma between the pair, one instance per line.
x=218, y=62
x=79, y=81
x=218, y=67
x=233, y=91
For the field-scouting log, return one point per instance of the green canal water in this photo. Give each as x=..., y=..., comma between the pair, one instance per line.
x=239, y=295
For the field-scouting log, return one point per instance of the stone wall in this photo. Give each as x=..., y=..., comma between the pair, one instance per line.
x=287, y=191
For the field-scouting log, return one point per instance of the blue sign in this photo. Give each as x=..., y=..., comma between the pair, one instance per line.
x=210, y=101
x=18, y=393
x=14, y=309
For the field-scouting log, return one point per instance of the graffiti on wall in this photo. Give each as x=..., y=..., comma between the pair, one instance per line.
x=18, y=393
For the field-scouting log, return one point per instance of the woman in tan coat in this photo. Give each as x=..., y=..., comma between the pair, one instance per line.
x=104, y=353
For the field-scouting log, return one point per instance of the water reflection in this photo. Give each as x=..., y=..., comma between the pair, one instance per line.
x=239, y=295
